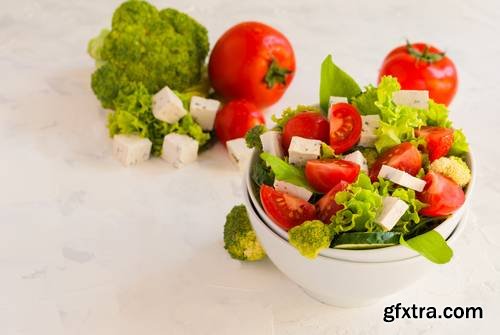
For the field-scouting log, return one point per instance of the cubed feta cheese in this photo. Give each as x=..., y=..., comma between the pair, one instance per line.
x=204, y=111
x=291, y=189
x=411, y=98
x=131, y=149
x=239, y=153
x=401, y=178
x=358, y=158
x=179, y=149
x=271, y=143
x=392, y=210
x=335, y=100
x=167, y=106
x=370, y=123
x=302, y=150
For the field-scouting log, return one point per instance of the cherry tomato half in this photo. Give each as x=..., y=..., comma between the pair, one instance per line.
x=345, y=127
x=324, y=174
x=441, y=194
x=326, y=206
x=311, y=125
x=439, y=140
x=285, y=210
x=403, y=157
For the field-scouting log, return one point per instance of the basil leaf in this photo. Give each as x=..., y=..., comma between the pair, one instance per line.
x=431, y=245
x=335, y=82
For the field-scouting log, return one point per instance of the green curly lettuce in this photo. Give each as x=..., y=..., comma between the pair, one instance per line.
x=155, y=48
x=411, y=217
x=133, y=115
x=460, y=146
x=361, y=202
x=365, y=102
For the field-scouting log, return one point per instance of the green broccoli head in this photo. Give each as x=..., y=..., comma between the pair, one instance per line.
x=252, y=137
x=310, y=238
x=155, y=48
x=239, y=237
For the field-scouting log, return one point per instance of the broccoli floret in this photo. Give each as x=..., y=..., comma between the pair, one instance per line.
x=310, y=238
x=240, y=240
x=252, y=137
x=454, y=168
x=149, y=47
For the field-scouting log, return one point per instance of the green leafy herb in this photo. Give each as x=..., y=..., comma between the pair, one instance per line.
x=252, y=137
x=285, y=171
x=262, y=174
x=335, y=82
x=431, y=245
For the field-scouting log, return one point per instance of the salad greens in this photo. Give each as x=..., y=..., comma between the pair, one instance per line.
x=290, y=113
x=335, y=82
x=285, y=171
x=431, y=245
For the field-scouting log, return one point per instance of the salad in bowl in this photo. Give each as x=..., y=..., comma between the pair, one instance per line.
x=366, y=169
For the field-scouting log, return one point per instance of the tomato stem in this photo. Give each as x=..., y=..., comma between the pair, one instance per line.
x=426, y=55
x=276, y=74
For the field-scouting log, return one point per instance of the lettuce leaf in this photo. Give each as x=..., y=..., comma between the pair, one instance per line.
x=365, y=102
x=285, y=171
x=460, y=146
x=361, y=203
x=133, y=115
x=436, y=115
x=410, y=218
x=335, y=82
x=431, y=245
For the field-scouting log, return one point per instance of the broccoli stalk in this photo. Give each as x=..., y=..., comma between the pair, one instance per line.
x=155, y=48
x=240, y=239
x=310, y=238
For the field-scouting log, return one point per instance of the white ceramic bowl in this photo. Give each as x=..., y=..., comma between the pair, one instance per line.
x=392, y=253
x=339, y=282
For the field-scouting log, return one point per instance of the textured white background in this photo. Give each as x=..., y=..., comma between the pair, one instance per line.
x=89, y=247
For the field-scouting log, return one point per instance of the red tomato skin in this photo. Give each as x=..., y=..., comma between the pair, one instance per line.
x=439, y=140
x=235, y=119
x=324, y=174
x=439, y=78
x=403, y=157
x=326, y=206
x=442, y=195
x=285, y=210
x=310, y=125
x=240, y=61
x=345, y=127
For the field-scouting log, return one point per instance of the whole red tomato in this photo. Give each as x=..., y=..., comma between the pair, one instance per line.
x=311, y=125
x=235, y=119
x=252, y=61
x=419, y=66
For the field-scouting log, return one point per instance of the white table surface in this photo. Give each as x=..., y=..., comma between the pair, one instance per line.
x=90, y=247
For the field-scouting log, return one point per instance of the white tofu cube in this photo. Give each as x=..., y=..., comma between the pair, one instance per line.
x=167, y=106
x=392, y=210
x=335, y=100
x=239, y=153
x=203, y=111
x=401, y=178
x=302, y=150
x=271, y=143
x=179, y=149
x=291, y=189
x=358, y=158
x=131, y=149
x=411, y=98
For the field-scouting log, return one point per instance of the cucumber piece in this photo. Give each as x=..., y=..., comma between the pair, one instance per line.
x=360, y=241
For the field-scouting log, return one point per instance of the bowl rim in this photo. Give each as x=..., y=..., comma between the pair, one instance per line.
x=404, y=253
x=455, y=234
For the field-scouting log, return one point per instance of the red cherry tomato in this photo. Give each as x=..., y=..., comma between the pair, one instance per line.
x=324, y=174
x=441, y=194
x=285, y=210
x=403, y=157
x=345, y=127
x=235, y=119
x=419, y=66
x=311, y=125
x=252, y=61
x=326, y=206
x=439, y=140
